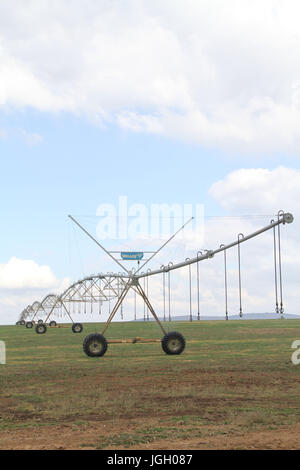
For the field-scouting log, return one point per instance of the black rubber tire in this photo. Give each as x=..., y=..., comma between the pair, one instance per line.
x=95, y=345
x=173, y=343
x=22, y=322
x=40, y=322
x=77, y=327
x=53, y=323
x=29, y=324
x=41, y=329
x=18, y=323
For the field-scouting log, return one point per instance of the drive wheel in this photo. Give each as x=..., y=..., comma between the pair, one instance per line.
x=29, y=324
x=173, y=343
x=22, y=322
x=40, y=329
x=77, y=327
x=53, y=323
x=40, y=322
x=95, y=345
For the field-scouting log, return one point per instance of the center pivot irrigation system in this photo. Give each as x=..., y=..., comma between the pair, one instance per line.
x=96, y=289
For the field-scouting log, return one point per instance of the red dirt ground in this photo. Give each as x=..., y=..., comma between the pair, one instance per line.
x=63, y=437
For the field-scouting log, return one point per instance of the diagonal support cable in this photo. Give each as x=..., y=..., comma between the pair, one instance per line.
x=99, y=244
x=166, y=243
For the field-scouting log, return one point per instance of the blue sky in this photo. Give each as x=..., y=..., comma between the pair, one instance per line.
x=163, y=104
x=77, y=166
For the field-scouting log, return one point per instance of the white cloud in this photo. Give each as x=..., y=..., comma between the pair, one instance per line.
x=31, y=138
x=23, y=282
x=26, y=274
x=222, y=74
x=259, y=191
x=3, y=133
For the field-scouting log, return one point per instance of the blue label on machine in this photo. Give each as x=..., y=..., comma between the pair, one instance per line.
x=132, y=255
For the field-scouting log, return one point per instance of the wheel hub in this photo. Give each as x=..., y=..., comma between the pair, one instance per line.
x=174, y=344
x=95, y=347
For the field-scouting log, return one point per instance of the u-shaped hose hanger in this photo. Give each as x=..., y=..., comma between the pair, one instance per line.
x=166, y=269
x=280, y=213
x=287, y=217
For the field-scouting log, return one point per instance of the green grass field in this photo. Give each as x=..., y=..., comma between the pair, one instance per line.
x=234, y=377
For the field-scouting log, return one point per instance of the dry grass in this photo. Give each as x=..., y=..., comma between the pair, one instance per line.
x=230, y=380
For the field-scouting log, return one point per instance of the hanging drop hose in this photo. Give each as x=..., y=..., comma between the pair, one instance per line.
x=164, y=292
x=147, y=293
x=279, y=267
x=119, y=293
x=190, y=289
x=169, y=292
x=169, y=285
x=148, y=271
x=198, y=286
x=225, y=283
x=144, y=302
x=240, y=236
x=190, y=274
x=275, y=270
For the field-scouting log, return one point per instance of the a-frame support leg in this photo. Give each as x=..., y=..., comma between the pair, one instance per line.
x=118, y=304
x=130, y=284
x=147, y=302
